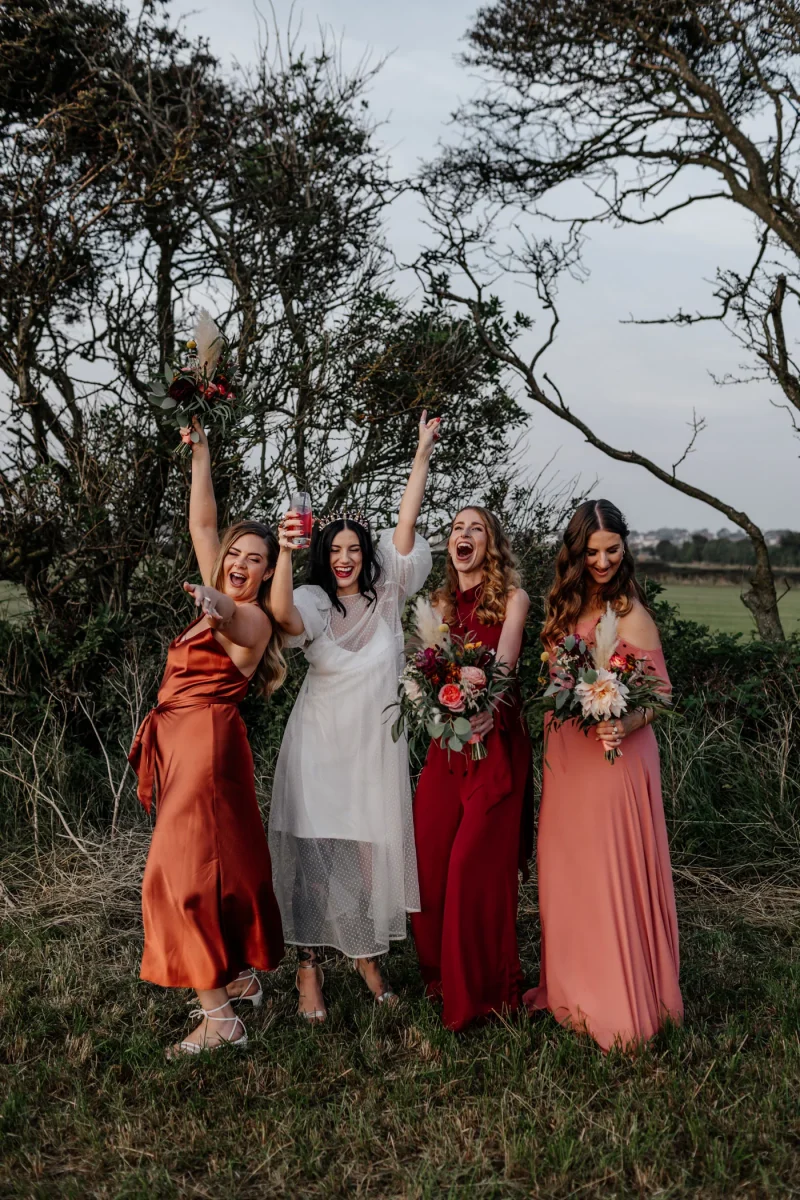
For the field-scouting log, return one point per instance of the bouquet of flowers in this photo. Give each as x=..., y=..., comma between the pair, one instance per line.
x=594, y=684
x=207, y=385
x=446, y=680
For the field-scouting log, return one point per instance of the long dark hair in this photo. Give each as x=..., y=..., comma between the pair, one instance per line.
x=319, y=564
x=271, y=670
x=568, y=592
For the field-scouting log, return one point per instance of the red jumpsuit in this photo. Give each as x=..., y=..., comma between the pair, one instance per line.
x=471, y=823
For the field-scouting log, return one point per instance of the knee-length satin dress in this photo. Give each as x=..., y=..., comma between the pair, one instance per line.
x=207, y=900
x=609, y=928
x=472, y=836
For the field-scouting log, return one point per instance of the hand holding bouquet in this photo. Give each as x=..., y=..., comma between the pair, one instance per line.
x=207, y=385
x=591, y=685
x=446, y=681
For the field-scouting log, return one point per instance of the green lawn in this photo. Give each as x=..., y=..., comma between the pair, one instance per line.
x=720, y=606
x=383, y=1104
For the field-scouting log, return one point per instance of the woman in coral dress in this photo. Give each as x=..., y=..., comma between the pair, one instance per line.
x=606, y=899
x=469, y=816
x=210, y=915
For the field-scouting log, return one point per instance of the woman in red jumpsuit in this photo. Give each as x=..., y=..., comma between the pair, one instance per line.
x=470, y=817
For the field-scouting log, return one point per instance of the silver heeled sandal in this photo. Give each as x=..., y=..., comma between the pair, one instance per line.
x=197, y=1048
x=387, y=996
x=308, y=962
x=255, y=998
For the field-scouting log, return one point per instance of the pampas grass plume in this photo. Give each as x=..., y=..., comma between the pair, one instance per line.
x=429, y=624
x=209, y=343
x=606, y=638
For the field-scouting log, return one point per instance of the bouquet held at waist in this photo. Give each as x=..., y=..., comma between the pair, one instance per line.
x=447, y=679
x=592, y=684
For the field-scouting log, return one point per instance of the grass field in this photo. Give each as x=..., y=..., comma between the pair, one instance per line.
x=385, y=1103
x=720, y=607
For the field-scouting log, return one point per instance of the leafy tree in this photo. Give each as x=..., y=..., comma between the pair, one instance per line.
x=654, y=106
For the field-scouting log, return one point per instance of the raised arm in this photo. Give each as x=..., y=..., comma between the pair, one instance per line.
x=284, y=609
x=411, y=503
x=202, y=504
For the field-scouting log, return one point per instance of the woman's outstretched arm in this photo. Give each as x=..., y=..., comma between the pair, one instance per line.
x=202, y=504
x=411, y=503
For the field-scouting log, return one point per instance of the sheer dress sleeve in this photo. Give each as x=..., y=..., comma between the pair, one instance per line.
x=407, y=571
x=314, y=607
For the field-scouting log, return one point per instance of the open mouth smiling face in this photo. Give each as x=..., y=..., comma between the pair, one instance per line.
x=346, y=561
x=468, y=541
x=245, y=567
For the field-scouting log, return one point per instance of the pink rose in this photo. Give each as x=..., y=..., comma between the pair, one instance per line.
x=618, y=662
x=451, y=697
x=474, y=678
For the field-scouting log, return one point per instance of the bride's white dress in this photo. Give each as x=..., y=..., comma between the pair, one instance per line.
x=341, y=834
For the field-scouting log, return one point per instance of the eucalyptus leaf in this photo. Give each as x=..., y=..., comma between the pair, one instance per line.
x=582, y=646
x=462, y=727
x=589, y=676
x=552, y=689
x=168, y=403
x=561, y=699
x=569, y=642
x=435, y=730
x=169, y=375
x=455, y=743
x=158, y=389
x=195, y=436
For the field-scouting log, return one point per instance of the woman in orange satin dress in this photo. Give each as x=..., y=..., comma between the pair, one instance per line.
x=606, y=898
x=210, y=915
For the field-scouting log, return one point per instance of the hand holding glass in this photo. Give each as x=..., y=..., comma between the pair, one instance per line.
x=302, y=511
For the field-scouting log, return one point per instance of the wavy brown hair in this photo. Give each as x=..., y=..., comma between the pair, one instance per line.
x=271, y=670
x=500, y=574
x=568, y=593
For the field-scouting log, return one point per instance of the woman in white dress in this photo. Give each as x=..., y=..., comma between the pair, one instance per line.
x=341, y=833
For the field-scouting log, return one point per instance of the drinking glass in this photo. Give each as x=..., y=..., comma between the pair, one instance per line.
x=301, y=505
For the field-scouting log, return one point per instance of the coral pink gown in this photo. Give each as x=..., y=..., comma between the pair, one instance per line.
x=606, y=898
x=472, y=836
x=207, y=900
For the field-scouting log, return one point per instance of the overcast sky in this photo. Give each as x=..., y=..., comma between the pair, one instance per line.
x=636, y=385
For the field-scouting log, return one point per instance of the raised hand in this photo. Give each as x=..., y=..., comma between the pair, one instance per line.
x=197, y=444
x=290, y=531
x=428, y=432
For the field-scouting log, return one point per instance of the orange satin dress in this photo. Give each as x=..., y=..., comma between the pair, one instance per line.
x=207, y=900
x=607, y=905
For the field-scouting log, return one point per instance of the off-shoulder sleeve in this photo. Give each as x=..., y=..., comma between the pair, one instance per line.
x=314, y=607
x=655, y=665
x=408, y=571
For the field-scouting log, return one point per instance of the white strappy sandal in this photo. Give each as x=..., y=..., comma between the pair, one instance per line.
x=255, y=998
x=197, y=1048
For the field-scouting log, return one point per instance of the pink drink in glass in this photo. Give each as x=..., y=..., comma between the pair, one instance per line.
x=301, y=505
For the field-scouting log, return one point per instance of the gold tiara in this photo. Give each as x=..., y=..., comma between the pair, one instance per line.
x=343, y=514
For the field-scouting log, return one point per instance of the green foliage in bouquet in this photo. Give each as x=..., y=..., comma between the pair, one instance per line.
x=447, y=679
x=208, y=385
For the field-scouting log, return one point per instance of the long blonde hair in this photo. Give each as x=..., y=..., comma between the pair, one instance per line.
x=271, y=670
x=500, y=574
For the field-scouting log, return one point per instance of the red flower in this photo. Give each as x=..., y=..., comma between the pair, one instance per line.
x=183, y=388
x=618, y=662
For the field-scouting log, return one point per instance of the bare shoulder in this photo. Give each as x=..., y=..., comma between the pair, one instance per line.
x=639, y=628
